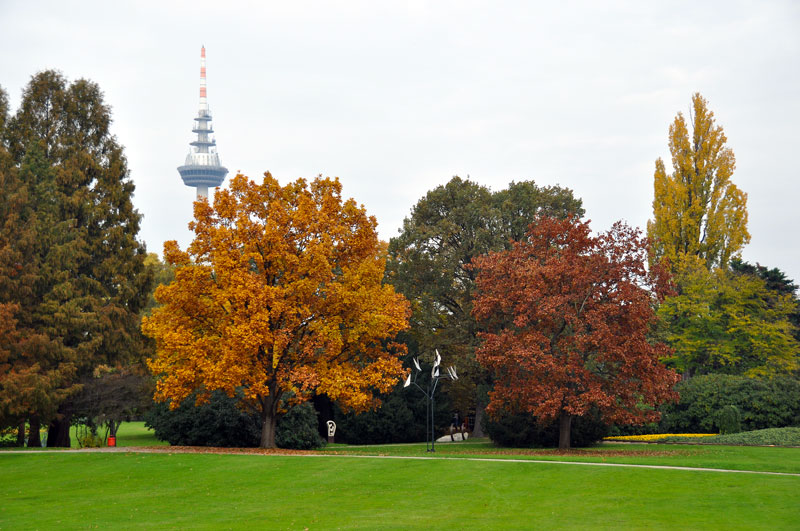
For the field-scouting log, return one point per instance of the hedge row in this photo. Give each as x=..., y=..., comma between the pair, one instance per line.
x=704, y=406
x=221, y=423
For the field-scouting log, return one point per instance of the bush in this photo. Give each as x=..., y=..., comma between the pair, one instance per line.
x=400, y=419
x=91, y=440
x=730, y=420
x=768, y=437
x=761, y=403
x=217, y=423
x=617, y=430
x=521, y=430
x=220, y=422
x=297, y=429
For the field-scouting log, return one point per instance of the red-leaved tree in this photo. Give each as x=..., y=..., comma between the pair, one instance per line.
x=567, y=316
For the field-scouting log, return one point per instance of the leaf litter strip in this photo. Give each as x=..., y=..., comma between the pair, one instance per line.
x=279, y=453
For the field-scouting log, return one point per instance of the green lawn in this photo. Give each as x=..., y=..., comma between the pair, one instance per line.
x=129, y=434
x=727, y=457
x=127, y=490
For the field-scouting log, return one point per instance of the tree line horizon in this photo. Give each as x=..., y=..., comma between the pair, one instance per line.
x=286, y=292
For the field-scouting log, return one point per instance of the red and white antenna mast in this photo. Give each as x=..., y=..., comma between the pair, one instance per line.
x=203, y=100
x=202, y=168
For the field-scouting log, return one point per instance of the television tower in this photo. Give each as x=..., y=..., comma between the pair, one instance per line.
x=202, y=168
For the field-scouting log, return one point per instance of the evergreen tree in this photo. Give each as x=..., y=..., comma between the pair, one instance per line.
x=72, y=261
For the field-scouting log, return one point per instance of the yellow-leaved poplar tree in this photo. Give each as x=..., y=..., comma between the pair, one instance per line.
x=279, y=296
x=697, y=210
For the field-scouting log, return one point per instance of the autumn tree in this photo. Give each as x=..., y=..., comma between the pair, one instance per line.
x=429, y=263
x=697, y=210
x=71, y=261
x=567, y=317
x=726, y=321
x=280, y=295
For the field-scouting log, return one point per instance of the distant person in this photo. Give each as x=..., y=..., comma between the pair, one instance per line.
x=454, y=424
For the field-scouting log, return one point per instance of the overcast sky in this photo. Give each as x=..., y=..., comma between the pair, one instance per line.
x=395, y=98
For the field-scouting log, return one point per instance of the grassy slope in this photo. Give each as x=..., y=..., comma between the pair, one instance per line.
x=212, y=491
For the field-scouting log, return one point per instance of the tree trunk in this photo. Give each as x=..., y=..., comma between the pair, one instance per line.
x=269, y=417
x=564, y=425
x=477, y=429
x=34, y=439
x=58, y=432
x=21, y=433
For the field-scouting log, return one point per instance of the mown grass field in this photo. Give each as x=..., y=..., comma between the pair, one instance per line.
x=726, y=457
x=141, y=490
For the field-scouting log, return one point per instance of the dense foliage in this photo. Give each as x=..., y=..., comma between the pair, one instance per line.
x=399, y=419
x=568, y=316
x=523, y=430
x=767, y=437
x=429, y=264
x=221, y=422
x=725, y=321
x=71, y=267
x=297, y=429
x=280, y=292
x=773, y=403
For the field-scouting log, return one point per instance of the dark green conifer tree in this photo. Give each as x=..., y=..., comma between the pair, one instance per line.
x=83, y=281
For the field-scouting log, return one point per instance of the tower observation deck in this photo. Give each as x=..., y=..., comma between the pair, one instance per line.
x=202, y=168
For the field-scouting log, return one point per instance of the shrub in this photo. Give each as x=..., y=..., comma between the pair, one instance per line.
x=297, y=429
x=730, y=420
x=91, y=440
x=401, y=418
x=761, y=403
x=620, y=430
x=769, y=437
x=220, y=422
x=521, y=430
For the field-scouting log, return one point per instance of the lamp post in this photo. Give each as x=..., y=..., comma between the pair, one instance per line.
x=430, y=434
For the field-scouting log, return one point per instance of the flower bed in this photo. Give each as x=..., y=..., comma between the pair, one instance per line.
x=655, y=437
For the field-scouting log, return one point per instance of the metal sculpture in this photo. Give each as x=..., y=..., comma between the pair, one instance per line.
x=430, y=434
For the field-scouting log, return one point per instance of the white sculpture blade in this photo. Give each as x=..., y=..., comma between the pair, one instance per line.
x=416, y=364
x=437, y=359
x=408, y=380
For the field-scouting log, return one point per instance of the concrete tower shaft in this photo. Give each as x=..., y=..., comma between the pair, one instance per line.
x=202, y=168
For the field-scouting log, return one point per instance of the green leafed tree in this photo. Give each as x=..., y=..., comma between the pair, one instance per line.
x=71, y=261
x=163, y=273
x=697, y=210
x=777, y=284
x=728, y=322
x=429, y=264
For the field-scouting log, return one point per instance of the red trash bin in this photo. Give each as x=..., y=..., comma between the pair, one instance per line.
x=112, y=441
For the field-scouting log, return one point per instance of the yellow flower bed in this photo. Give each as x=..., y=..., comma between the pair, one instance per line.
x=655, y=436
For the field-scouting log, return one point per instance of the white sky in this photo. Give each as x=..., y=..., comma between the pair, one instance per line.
x=397, y=97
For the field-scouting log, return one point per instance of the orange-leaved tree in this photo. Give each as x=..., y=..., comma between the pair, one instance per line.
x=280, y=295
x=567, y=316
